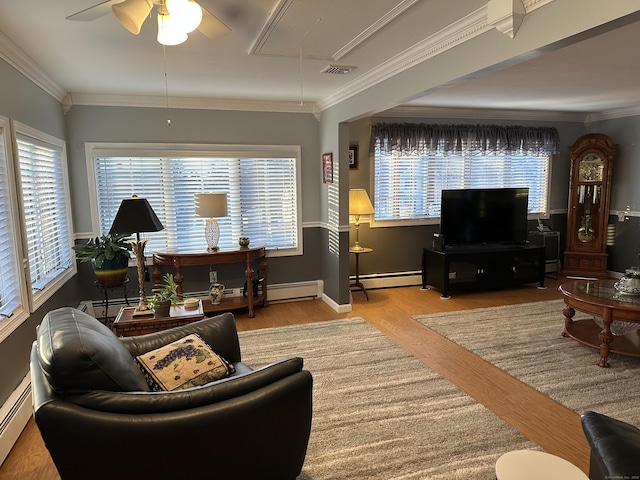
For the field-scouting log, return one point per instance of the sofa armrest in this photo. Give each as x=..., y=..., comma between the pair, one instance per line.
x=219, y=332
x=615, y=447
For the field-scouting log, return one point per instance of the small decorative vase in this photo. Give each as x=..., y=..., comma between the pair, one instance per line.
x=629, y=284
x=216, y=292
x=243, y=241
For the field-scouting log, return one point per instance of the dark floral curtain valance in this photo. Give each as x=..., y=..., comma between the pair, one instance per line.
x=425, y=139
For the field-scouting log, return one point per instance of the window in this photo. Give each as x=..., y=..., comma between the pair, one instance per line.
x=414, y=163
x=46, y=213
x=261, y=185
x=12, y=291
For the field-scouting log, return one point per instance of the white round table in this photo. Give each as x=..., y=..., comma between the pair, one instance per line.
x=534, y=465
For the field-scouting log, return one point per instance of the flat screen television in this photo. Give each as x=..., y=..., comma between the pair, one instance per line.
x=484, y=215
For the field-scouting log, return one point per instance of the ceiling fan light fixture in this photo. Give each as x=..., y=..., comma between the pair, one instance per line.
x=169, y=31
x=186, y=13
x=132, y=13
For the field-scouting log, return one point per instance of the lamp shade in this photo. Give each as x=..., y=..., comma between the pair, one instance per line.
x=359, y=203
x=132, y=13
x=135, y=215
x=211, y=204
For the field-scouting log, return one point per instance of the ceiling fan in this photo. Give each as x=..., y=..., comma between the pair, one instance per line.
x=176, y=18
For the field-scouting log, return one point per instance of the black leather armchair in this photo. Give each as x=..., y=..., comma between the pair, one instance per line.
x=99, y=418
x=615, y=447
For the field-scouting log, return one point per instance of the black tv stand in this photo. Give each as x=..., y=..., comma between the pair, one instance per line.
x=482, y=267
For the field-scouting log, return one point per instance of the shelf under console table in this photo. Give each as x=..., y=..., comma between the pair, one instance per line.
x=244, y=255
x=482, y=267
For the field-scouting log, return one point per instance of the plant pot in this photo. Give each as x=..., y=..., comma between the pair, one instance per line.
x=161, y=309
x=112, y=273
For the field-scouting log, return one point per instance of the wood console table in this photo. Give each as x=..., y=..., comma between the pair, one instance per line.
x=245, y=255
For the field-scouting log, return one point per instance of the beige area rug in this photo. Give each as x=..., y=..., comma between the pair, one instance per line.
x=380, y=413
x=525, y=341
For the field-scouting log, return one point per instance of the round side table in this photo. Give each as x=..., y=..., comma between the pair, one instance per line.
x=357, y=285
x=534, y=465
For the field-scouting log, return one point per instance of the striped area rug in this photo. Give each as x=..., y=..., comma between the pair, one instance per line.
x=380, y=413
x=525, y=341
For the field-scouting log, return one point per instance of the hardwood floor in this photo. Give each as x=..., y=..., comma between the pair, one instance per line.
x=552, y=426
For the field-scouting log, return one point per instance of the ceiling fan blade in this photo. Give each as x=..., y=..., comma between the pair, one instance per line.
x=211, y=26
x=91, y=13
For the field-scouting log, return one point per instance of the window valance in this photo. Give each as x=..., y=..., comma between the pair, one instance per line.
x=432, y=139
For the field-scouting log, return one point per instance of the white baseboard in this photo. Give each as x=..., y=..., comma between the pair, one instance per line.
x=282, y=292
x=14, y=415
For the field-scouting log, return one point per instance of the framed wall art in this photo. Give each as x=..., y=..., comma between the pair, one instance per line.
x=327, y=168
x=353, y=157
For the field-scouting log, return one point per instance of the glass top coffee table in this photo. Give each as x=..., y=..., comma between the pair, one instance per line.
x=616, y=317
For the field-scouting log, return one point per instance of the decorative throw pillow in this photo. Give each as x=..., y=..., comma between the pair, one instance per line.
x=188, y=362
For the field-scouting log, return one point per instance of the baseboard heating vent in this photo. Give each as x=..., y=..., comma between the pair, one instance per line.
x=275, y=293
x=295, y=291
x=392, y=279
x=14, y=415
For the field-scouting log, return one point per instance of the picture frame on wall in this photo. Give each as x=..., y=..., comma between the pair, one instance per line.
x=327, y=168
x=353, y=157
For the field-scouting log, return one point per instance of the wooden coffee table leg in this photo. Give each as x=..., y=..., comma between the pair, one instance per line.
x=568, y=312
x=605, y=337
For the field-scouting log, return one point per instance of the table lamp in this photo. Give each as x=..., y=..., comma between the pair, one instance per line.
x=211, y=205
x=359, y=204
x=135, y=215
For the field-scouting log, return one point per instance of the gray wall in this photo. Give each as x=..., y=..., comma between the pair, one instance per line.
x=23, y=101
x=625, y=192
x=129, y=124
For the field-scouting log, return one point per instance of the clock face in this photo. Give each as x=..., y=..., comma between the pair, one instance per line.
x=590, y=168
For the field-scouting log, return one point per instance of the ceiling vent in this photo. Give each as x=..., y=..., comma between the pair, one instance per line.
x=337, y=69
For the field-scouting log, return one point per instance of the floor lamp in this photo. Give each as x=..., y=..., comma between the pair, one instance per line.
x=135, y=215
x=359, y=204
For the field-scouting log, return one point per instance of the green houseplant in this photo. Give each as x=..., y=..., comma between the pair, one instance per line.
x=164, y=296
x=109, y=256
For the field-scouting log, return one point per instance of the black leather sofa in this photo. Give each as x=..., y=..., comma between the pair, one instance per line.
x=100, y=420
x=615, y=447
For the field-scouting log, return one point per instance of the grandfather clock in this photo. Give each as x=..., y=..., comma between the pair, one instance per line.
x=589, y=192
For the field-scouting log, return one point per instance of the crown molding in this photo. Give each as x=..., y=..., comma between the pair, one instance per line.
x=24, y=64
x=416, y=111
x=191, y=103
x=612, y=114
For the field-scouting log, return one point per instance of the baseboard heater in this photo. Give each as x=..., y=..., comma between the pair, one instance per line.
x=389, y=280
x=277, y=293
x=14, y=415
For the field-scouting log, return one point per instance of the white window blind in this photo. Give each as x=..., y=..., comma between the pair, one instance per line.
x=45, y=210
x=261, y=192
x=408, y=187
x=10, y=291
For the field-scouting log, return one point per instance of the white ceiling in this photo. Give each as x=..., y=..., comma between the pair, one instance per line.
x=261, y=59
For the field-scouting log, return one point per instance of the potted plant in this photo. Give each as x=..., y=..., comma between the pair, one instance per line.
x=164, y=296
x=109, y=256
